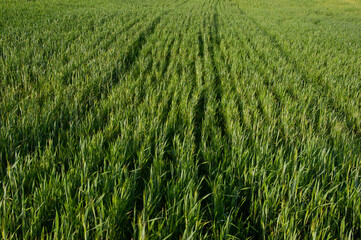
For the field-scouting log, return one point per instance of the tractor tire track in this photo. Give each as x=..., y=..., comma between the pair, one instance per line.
x=144, y=172
x=217, y=84
x=87, y=97
x=307, y=78
x=103, y=42
x=279, y=101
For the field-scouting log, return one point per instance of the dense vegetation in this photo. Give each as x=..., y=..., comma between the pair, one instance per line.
x=198, y=119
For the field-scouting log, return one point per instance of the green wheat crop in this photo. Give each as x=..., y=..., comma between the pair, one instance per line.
x=185, y=119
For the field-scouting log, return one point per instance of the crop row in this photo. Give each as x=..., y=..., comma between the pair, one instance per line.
x=177, y=119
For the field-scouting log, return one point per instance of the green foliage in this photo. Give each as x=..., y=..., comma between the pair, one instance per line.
x=180, y=119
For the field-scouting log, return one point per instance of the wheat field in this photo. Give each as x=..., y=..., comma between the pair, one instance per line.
x=185, y=119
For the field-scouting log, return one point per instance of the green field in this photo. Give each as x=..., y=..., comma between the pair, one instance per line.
x=183, y=119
